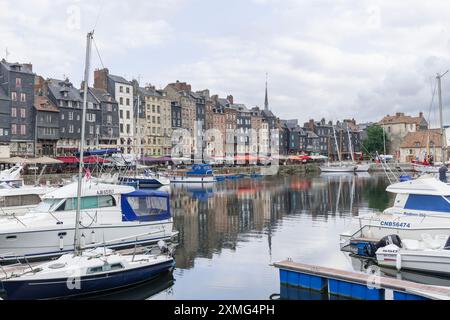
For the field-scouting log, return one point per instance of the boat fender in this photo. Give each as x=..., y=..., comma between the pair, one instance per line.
x=398, y=262
x=83, y=240
x=93, y=238
x=61, y=243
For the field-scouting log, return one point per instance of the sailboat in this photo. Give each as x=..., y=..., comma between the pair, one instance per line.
x=91, y=271
x=359, y=167
x=340, y=167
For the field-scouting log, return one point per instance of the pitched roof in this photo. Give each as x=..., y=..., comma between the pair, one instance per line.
x=18, y=67
x=42, y=103
x=419, y=139
x=119, y=79
x=102, y=95
x=58, y=86
x=402, y=118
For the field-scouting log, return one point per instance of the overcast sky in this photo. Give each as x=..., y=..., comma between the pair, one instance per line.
x=325, y=58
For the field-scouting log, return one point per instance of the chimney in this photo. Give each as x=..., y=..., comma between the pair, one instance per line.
x=230, y=99
x=101, y=79
x=421, y=114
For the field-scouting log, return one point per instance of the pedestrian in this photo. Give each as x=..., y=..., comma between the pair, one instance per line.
x=443, y=173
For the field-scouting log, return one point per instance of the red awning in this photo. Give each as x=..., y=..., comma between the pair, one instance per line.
x=87, y=160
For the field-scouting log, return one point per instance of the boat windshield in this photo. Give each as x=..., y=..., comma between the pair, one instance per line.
x=47, y=205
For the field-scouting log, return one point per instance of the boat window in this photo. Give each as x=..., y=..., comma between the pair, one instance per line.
x=95, y=269
x=47, y=205
x=116, y=266
x=106, y=201
x=428, y=203
x=20, y=200
x=88, y=203
x=148, y=205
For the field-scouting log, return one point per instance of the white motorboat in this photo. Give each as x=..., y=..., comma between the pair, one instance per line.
x=422, y=206
x=12, y=177
x=199, y=173
x=365, y=167
x=147, y=180
x=109, y=212
x=427, y=255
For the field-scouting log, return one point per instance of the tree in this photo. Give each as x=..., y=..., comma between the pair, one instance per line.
x=375, y=141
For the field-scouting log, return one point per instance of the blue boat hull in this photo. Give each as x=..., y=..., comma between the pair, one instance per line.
x=141, y=183
x=89, y=285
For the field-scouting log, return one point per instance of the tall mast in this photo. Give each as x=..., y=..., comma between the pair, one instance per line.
x=350, y=144
x=337, y=145
x=83, y=134
x=138, y=137
x=443, y=142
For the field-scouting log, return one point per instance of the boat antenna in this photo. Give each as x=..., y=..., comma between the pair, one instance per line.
x=441, y=117
x=77, y=244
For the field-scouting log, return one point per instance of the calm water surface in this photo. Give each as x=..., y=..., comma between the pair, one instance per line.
x=230, y=233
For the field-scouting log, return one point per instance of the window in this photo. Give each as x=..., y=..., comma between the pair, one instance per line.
x=13, y=112
x=128, y=114
x=18, y=82
x=121, y=114
x=70, y=115
x=128, y=128
x=128, y=101
x=91, y=130
x=109, y=119
x=128, y=90
x=109, y=107
x=121, y=101
x=71, y=128
x=121, y=128
x=14, y=96
x=91, y=117
x=14, y=129
x=23, y=97
x=23, y=113
x=121, y=89
x=23, y=129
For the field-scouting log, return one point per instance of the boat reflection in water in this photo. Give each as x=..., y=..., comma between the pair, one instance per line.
x=361, y=264
x=144, y=291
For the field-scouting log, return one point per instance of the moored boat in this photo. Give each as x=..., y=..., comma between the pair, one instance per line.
x=199, y=173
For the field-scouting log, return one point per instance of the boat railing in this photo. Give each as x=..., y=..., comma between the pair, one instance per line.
x=8, y=270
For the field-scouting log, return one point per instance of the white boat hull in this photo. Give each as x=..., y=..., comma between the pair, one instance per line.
x=362, y=168
x=187, y=179
x=425, y=169
x=429, y=261
x=405, y=226
x=338, y=169
x=40, y=244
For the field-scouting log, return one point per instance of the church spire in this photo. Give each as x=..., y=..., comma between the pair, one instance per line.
x=266, y=103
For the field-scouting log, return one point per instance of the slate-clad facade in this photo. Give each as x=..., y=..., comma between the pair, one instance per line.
x=5, y=118
x=47, y=126
x=17, y=82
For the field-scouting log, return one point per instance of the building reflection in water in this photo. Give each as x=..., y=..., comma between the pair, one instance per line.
x=213, y=217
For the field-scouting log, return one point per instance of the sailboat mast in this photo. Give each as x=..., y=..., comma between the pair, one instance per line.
x=350, y=144
x=83, y=134
x=337, y=145
x=443, y=141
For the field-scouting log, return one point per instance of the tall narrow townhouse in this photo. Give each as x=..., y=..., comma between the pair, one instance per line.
x=123, y=92
x=17, y=83
x=69, y=101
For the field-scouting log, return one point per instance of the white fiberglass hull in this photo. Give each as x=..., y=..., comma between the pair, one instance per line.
x=430, y=261
x=362, y=168
x=425, y=169
x=187, y=179
x=38, y=244
x=338, y=169
x=406, y=226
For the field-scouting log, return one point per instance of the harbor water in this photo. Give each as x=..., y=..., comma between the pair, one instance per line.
x=231, y=232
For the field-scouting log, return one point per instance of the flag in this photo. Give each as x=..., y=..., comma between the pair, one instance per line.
x=88, y=175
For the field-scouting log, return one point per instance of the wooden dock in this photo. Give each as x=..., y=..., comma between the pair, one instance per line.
x=355, y=285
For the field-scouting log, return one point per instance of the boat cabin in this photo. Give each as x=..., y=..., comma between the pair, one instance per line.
x=200, y=170
x=423, y=194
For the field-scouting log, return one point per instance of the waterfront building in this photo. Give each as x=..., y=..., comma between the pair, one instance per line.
x=93, y=120
x=243, y=129
x=208, y=108
x=217, y=149
x=418, y=145
x=109, y=119
x=17, y=83
x=67, y=98
x=122, y=91
x=398, y=126
x=47, y=126
x=5, y=120
x=296, y=137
